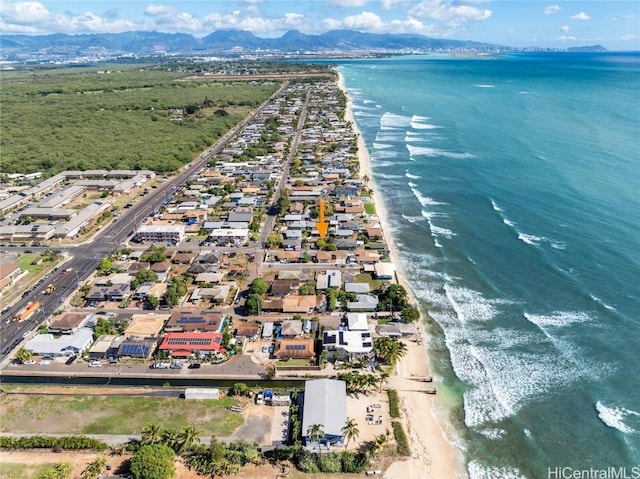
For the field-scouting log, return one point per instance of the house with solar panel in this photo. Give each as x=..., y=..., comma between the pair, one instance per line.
x=136, y=347
x=186, y=345
x=300, y=348
x=195, y=321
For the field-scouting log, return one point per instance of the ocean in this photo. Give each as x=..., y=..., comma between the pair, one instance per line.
x=512, y=185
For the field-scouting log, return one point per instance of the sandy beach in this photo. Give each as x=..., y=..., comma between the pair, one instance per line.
x=433, y=456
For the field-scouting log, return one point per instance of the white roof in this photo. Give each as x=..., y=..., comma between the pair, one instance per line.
x=325, y=403
x=48, y=344
x=357, y=321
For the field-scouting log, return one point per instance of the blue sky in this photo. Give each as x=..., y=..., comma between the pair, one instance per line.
x=614, y=24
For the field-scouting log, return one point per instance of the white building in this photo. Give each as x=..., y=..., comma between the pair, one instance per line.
x=64, y=345
x=161, y=233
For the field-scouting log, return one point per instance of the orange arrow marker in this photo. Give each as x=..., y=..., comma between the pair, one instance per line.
x=321, y=225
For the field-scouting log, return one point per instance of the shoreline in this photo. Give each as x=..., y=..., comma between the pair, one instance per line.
x=432, y=455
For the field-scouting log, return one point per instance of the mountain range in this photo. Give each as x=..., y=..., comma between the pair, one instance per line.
x=225, y=41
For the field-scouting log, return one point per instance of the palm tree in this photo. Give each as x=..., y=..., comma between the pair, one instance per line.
x=350, y=431
x=24, y=355
x=151, y=434
x=315, y=432
x=383, y=378
x=368, y=381
x=397, y=350
x=187, y=438
x=170, y=438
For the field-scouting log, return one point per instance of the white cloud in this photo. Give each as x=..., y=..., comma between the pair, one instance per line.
x=627, y=38
x=390, y=4
x=171, y=19
x=565, y=28
x=34, y=18
x=581, y=16
x=349, y=3
x=368, y=21
x=24, y=13
x=565, y=38
x=453, y=14
x=256, y=22
x=551, y=9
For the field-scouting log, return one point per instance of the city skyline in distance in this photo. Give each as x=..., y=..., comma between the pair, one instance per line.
x=563, y=24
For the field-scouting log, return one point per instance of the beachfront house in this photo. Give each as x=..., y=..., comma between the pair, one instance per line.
x=325, y=404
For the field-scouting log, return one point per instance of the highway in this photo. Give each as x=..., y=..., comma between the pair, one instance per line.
x=86, y=257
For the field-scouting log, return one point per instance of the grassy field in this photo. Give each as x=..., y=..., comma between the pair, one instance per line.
x=87, y=414
x=129, y=117
x=370, y=208
x=22, y=471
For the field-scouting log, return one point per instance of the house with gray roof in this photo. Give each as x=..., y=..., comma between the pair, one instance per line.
x=325, y=403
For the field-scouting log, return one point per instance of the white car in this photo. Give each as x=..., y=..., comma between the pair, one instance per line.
x=29, y=361
x=95, y=364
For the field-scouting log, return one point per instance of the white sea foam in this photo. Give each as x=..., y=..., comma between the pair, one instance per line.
x=413, y=219
x=598, y=300
x=413, y=177
x=434, y=152
x=495, y=206
x=382, y=154
x=558, y=319
x=387, y=136
x=484, y=86
x=480, y=471
x=363, y=113
x=417, y=138
x=424, y=200
x=366, y=102
x=440, y=231
x=381, y=146
x=615, y=416
x=393, y=121
x=529, y=239
x=492, y=433
x=388, y=177
x=419, y=123
x=508, y=222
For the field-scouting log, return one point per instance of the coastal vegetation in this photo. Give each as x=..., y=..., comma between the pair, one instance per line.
x=50, y=442
x=123, y=117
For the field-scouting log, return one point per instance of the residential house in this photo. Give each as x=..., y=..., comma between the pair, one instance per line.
x=199, y=344
x=190, y=321
x=347, y=345
x=325, y=403
x=300, y=348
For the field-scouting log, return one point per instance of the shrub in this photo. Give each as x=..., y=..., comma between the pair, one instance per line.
x=394, y=403
x=401, y=439
x=154, y=461
x=49, y=442
x=306, y=462
x=354, y=461
x=329, y=462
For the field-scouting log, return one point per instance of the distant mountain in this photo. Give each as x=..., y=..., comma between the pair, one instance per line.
x=220, y=41
x=592, y=48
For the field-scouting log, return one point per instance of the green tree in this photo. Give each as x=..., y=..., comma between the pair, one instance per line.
x=315, y=432
x=152, y=301
x=282, y=205
x=106, y=266
x=94, y=468
x=410, y=314
x=61, y=470
x=258, y=286
x=151, y=434
x=24, y=355
x=254, y=303
x=274, y=240
x=350, y=431
x=144, y=276
x=240, y=389
x=188, y=437
x=153, y=461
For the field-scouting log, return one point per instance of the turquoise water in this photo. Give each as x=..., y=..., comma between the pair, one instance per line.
x=513, y=190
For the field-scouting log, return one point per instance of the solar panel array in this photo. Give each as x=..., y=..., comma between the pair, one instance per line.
x=191, y=319
x=189, y=341
x=134, y=350
x=295, y=347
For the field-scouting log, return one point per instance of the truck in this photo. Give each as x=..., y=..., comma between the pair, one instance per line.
x=27, y=311
x=49, y=289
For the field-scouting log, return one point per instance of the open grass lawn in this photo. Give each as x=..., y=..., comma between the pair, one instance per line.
x=367, y=278
x=25, y=263
x=22, y=471
x=370, y=208
x=82, y=414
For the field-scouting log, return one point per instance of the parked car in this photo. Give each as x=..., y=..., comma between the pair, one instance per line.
x=29, y=361
x=176, y=365
x=95, y=364
x=70, y=360
x=195, y=366
x=260, y=398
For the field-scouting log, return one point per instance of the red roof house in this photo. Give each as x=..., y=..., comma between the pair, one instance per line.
x=183, y=345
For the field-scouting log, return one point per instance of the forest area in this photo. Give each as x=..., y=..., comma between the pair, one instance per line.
x=115, y=117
